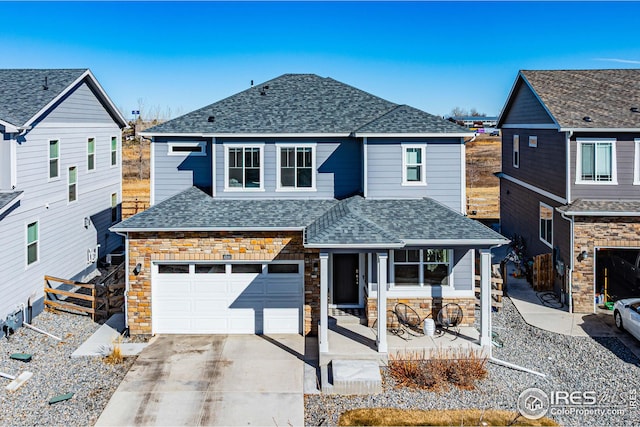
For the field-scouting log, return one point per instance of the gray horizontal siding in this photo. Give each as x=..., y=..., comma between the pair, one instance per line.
x=543, y=166
x=79, y=106
x=443, y=171
x=175, y=173
x=526, y=108
x=463, y=270
x=625, y=155
x=63, y=240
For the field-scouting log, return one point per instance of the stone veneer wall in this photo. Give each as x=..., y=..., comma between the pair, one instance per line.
x=592, y=232
x=422, y=306
x=145, y=248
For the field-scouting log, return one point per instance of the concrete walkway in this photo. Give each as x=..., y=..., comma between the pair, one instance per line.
x=559, y=320
x=215, y=380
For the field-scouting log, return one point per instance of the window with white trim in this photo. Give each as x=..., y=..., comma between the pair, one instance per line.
x=73, y=184
x=516, y=151
x=32, y=242
x=243, y=168
x=596, y=162
x=422, y=267
x=533, y=141
x=114, y=207
x=195, y=148
x=546, y=224
x=636, y=163
x=91, y=154
x=54, y=159
x=296, y=167
x=413, y=164
x=114, y=151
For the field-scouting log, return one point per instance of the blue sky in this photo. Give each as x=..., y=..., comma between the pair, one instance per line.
x=179, y=56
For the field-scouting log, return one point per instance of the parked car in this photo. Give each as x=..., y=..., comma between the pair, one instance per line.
x=627, y=315
x=626, y=264
x=494, y=132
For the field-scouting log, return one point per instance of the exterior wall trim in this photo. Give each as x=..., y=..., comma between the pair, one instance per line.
x=247, y=135
x=533, y=188
x=530, y=126
x=413, y=135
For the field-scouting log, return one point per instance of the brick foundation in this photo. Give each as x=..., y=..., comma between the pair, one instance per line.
x=423, y=306
x=145, y=248
x=592, y=232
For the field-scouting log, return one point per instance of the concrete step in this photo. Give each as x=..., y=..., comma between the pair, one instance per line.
x=355, y=377
x=345, y=316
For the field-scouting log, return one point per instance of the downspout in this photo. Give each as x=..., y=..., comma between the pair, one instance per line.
x=568, y=166
x=365, y=167
x=570, y=272
x=126, y=278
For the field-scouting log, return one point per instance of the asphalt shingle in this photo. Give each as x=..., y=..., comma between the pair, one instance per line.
x=6, y=198
x=588, y=207
x=22, y=92
x=354, y=221
x=605, y=96
x=304, y=103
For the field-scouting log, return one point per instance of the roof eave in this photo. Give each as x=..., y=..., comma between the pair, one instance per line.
x=354, y=245
x=13, y=201
x=456, y=242
x=9, y=127
x=570, y=129
x=247, y=135
x=413, y=135
x=507, y=105
x=594, y=213
x=116, y=229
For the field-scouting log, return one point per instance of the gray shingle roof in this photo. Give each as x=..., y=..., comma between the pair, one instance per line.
x=7, y=198
x=22, y=94
x=606, y=96
x=353, y=222
x=405, y=119
x=591, y=207
x=194, y=209
x=303, y=103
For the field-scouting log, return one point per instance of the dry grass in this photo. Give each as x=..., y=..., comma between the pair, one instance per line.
x=135, y=177
x=115, y=357
x=483, y=187
x=439, y=368
x=451, y=417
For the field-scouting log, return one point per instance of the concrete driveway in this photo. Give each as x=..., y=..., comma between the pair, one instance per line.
x=216, y=380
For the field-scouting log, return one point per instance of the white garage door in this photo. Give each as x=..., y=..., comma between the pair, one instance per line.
x=247, y=298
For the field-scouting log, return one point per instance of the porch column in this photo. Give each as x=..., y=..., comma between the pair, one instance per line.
x=485, y=299
x=383, y=259
x=324, y=303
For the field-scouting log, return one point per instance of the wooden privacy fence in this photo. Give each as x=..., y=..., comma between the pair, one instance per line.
x=98, y=300
x=496, y=291
x=543, y=272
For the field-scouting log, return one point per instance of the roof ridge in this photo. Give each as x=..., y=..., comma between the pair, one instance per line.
x=386, y=113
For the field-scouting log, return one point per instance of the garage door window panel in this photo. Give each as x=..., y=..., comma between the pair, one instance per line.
x=246, y=268
x=173, y=268
x=210, y=268
x=283, y=269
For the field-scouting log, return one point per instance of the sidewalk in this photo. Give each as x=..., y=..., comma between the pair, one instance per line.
x=559, y=320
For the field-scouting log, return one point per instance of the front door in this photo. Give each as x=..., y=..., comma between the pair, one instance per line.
x=345, y=279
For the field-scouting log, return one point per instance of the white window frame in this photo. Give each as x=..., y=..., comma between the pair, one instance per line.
x=515, y=157
x=202, y=145
x=37, y=242
x=114, y=207
x=69, y=184
x=89, y=154
x=422, y=164
x=279, y=147
x=226, y=167
x=111, y=151
x=614, y=166
x=533, y=141
x=56, y=178
x=544, y=240
x=420, y=263
x=636, y=162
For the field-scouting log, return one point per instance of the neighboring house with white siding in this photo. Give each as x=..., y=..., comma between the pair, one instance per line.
x=296, y=195
x=60, y=180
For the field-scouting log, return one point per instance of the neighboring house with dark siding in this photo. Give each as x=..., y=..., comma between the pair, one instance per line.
x=60, y=180
x=570, y=162
x=298, y=194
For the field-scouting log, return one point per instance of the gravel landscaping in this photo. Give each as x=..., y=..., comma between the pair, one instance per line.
x=54, y=372
x=602, y=366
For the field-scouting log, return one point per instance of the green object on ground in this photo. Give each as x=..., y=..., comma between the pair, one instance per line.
x=25, y=357
x=608, y=305
x=60, y=398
